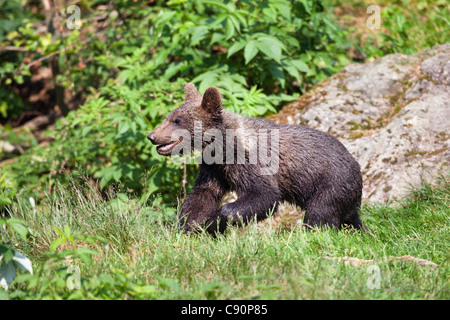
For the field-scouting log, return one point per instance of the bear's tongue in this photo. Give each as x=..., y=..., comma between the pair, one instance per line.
x=167, y=147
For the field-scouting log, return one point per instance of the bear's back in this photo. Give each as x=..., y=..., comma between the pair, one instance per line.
x=308, y=159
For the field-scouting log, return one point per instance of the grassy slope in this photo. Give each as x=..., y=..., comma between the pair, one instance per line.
x=142, y=255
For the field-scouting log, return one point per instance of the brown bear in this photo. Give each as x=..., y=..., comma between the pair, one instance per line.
x=263, y=162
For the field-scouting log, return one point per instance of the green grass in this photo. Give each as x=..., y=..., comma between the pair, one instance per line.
x=141, y=255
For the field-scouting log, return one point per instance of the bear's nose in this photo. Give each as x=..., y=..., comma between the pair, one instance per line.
x=151, y=137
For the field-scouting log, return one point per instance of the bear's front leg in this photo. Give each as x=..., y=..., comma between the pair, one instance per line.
x=204, y=199
x=250, y=205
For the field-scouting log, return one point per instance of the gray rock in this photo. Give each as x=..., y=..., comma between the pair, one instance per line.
x=393, y=114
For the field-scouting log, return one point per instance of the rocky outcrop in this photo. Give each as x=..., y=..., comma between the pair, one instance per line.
x=392, y=113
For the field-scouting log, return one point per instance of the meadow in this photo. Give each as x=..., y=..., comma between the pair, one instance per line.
x=85, y=247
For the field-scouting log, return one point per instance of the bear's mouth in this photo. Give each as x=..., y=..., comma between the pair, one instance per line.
x=166, y=149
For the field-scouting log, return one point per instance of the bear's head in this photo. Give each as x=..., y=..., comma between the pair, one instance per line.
x=178, y=131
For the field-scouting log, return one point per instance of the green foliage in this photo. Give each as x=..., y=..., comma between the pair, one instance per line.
x=276, y=45
x=408, y=31
x=7, y=190
x=10, y=259
x=11, y=105
x=407, y=26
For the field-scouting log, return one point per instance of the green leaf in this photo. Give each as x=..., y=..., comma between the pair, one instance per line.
x=4, y=294
x=292, y=71
x=67, y=231
x=251, y=49
x=199, y=34
x=7, y=274
x=217, y=4
x=22, y=262
x=277, y=73
x=4, y=200
x=123, y=127
x=240, y=15
x=164, y=17
x=270, y=47
x=85, y=254
x=229, y=29
x=6, y=254
x=103, y=182
x=235, y=22
x=216, y=38
x=235, y=47
x=169, y=283
x=219, y=19
x=17, y=226
x=239, y=78
x=270, y=14
x=117, y=175
x=55, y=244
x=207, y=79
x=300, y=65
x=86, y=130
x=284, y=8
x=60, y=232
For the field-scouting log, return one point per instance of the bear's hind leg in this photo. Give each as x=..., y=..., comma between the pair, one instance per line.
x=321, y=212
x=353, y=220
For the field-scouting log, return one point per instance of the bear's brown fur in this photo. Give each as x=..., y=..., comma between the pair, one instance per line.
x=313, y=169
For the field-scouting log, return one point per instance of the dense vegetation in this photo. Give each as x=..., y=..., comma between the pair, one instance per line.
x=103, y=86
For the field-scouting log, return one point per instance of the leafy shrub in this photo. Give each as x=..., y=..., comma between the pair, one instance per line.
x=10, y=259
x=259, y=54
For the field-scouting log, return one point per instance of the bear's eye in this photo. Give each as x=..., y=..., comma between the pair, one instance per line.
x=177, y=121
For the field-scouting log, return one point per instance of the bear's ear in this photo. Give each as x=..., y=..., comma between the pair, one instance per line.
x=190, y=93
x=212, y=101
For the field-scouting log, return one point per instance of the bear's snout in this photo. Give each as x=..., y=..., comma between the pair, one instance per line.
x=151, y=136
